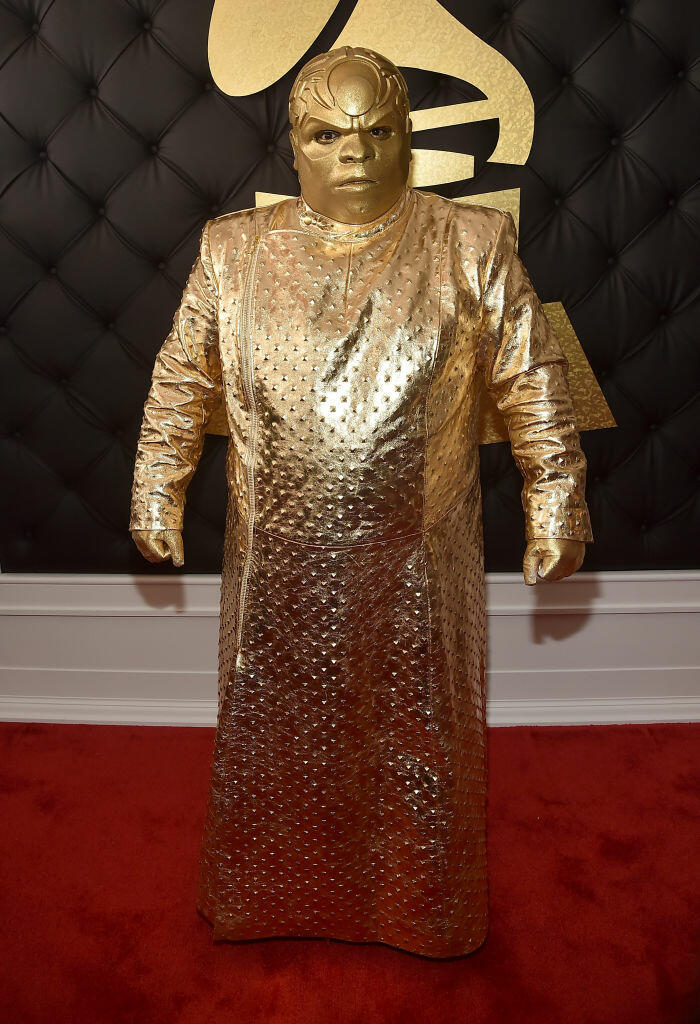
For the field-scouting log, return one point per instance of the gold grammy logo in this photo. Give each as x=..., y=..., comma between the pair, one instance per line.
x=248, y=53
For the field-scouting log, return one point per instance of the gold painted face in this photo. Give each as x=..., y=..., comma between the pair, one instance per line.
x=351, y=135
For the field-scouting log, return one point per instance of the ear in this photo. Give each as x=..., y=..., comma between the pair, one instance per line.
x=294, y=148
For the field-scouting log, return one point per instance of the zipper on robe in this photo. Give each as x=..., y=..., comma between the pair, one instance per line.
x=247, y=374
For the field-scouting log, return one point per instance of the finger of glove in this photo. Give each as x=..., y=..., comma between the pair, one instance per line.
x=531, y=564
x=158, y=547
x=175, y=547
x=145, y=547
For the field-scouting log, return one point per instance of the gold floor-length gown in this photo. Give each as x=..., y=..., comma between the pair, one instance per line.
x=348, y=781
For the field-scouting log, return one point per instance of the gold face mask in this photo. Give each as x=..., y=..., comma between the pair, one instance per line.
x=351, y=134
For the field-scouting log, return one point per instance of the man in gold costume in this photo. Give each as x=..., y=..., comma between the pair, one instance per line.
x=348, y=331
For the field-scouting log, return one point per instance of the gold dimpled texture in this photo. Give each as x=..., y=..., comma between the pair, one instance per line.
x=348, y=785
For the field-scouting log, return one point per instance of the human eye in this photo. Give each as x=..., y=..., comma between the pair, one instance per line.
x=326, y=135
x=382, y=131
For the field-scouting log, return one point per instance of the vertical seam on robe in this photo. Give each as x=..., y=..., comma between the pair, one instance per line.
x=250, y=272
x=438, y=794
x=347, y=275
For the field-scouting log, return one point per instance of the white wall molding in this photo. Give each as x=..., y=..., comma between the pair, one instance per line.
x=203, y=712
x=596, y=647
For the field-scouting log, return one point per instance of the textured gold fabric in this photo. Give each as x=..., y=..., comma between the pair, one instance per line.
x=348, y=780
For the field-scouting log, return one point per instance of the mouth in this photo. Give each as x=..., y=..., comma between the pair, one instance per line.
x=357, y=183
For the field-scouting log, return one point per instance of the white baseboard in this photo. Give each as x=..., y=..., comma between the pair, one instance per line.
x=115, y=711
x=595, y=648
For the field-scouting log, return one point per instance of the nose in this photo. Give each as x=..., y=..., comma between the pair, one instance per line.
x=355, y=150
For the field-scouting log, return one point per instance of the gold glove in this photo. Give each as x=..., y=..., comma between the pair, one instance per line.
x=552, y=559
x=159, y=545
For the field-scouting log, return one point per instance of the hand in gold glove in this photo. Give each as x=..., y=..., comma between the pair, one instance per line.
x=555, y=558
x=158, y=545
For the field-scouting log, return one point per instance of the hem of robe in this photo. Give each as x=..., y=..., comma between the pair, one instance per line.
x=418, y=945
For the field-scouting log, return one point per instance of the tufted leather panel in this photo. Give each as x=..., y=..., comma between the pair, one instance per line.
x=116, y=147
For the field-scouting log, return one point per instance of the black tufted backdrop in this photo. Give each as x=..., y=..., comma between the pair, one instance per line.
x=116, y=146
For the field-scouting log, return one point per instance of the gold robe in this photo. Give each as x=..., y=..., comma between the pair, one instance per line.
x=348, y=782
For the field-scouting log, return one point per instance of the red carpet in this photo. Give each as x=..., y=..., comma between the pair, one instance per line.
x=594, y=838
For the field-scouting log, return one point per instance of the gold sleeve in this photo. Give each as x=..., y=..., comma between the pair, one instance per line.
x=185, y=387
x=526, y=372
